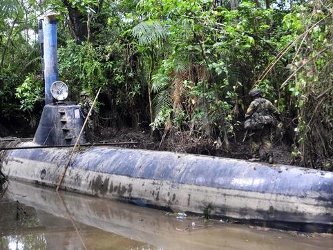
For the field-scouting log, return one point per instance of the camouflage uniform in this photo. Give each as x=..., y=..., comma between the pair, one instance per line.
x=260, y=122
x=86, y=104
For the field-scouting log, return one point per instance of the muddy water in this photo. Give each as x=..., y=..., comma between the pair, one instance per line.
x=40, y=218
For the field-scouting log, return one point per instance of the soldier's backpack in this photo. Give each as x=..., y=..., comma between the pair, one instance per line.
x=257, y=121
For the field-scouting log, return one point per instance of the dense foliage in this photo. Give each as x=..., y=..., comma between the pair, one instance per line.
x=181, y=66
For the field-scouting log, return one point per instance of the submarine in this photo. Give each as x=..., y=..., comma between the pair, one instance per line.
x=282, y=196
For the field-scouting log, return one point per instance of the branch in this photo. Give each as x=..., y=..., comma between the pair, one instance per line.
x=294, y=73
x=272, y=64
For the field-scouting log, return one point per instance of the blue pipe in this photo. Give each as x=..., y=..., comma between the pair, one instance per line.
x=50, y=55
x=41, y=43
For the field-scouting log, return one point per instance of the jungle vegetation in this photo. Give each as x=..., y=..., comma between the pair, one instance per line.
x=179, y=66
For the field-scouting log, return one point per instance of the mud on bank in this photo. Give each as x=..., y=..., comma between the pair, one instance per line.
x=183, y=142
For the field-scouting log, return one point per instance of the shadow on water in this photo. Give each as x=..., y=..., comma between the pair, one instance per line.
x=40, y=218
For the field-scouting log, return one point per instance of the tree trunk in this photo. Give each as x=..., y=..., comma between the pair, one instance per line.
x=77, y=22
x=234, y=4
x=3, y=131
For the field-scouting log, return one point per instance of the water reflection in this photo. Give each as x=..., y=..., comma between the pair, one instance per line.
x=38, y=218
x=21, y=243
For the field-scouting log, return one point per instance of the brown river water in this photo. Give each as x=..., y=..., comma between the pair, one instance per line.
x=34, y=217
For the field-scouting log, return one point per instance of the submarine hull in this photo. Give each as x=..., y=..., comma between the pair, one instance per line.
x=274, y=195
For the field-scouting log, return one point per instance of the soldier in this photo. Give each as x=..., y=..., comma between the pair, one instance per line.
x=86, y=104
x=260, y=120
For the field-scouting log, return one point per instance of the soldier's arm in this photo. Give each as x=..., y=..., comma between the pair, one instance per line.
x=250, y=110
x=274, y=111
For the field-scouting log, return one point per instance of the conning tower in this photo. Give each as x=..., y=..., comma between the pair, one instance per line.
x=61, y=121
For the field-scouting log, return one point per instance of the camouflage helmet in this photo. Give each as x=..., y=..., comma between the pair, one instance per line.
x=83, y=93
x=255, y=92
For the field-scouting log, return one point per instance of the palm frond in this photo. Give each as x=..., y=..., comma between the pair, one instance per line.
x=160, y=82
x=161, y=101
x=149, y=32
